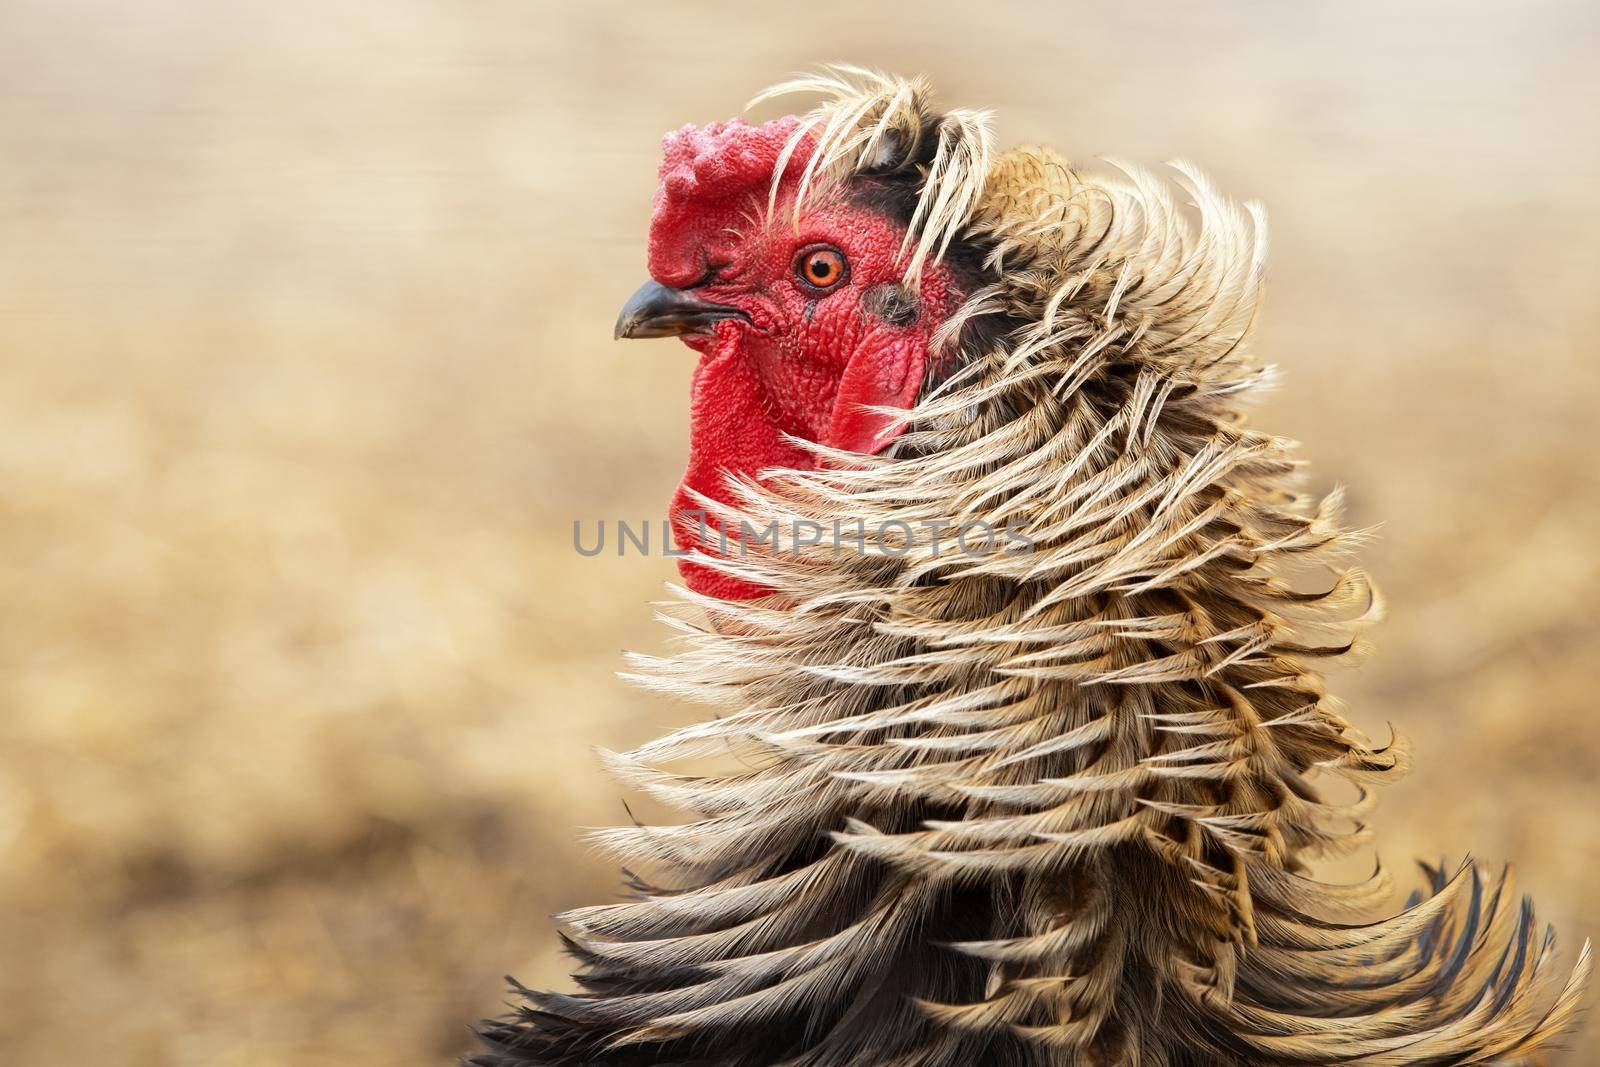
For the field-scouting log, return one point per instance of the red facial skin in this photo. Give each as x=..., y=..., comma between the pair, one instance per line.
x=806, y=361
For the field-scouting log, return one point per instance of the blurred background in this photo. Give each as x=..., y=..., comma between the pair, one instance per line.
x=306, y=371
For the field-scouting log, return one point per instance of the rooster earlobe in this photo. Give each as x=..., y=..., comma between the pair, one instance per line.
x=887, y=377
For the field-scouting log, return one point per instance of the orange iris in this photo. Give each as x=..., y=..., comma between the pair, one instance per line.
x=822, y=268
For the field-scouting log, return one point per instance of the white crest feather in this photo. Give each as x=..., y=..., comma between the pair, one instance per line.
x=867, y=119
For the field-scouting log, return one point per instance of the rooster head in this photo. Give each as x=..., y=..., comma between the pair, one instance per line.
x=806, y=264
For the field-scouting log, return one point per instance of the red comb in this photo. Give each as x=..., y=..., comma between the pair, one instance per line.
x=707, y=174
x=724, y=158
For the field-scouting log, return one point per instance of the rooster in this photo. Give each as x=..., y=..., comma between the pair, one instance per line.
x=1046, y=802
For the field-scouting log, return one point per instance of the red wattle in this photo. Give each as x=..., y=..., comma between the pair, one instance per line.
x=729, y=430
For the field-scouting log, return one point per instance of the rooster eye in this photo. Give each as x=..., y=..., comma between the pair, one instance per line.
x=820, y=268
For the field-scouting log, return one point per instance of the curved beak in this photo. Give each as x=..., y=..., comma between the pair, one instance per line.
x=657, y=311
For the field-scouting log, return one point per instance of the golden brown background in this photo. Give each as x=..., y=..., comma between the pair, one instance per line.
x=306, y=370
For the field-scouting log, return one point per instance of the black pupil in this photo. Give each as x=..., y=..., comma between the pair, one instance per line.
x=821, y=268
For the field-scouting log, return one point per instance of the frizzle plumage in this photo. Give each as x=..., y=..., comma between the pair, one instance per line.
x=1044, y=807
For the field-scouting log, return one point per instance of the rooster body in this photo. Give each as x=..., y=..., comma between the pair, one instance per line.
x=1021, y=808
